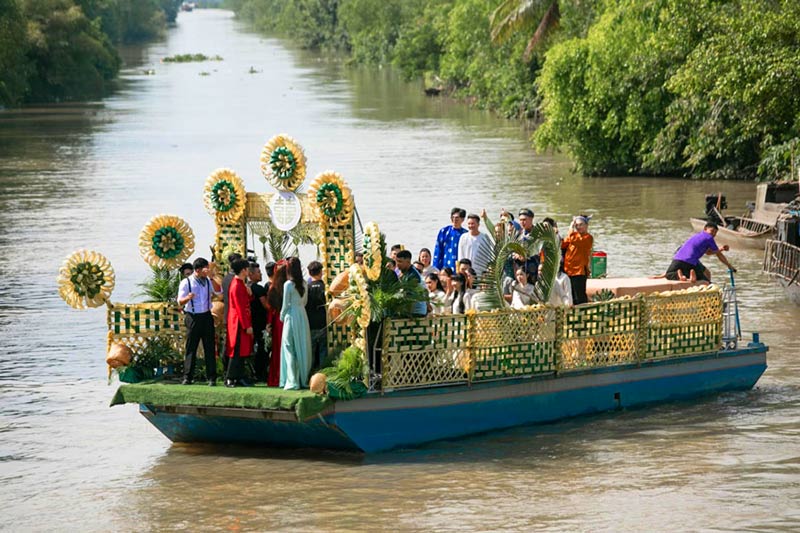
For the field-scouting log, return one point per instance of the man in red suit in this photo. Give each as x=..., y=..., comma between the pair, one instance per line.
x=239, y=341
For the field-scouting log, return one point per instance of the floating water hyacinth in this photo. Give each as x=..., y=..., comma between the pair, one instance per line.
x=283, y=163
x=166, y=241
x=331, y=199
x=86, y=279
x=225, y=196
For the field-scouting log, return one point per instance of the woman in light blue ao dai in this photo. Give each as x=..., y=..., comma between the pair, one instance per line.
x=296, y=339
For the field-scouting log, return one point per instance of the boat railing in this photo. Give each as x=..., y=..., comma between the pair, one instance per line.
x=782, y=260
x=137, y=325
x=485, y=346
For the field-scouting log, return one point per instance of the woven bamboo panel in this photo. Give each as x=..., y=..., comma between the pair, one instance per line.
x=231, y=236
x=425, y=351
x=513, y=343
x=257, y=206
x=134, y=325
x=338, y=250
x=602, y=334
x=683, y=323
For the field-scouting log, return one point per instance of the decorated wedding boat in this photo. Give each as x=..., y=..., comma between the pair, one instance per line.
x=403, y=381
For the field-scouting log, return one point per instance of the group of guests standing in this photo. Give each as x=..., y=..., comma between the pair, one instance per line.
x=289, y=307
x=461, y=256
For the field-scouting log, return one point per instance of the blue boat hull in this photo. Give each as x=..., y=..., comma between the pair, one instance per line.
x=377, y=423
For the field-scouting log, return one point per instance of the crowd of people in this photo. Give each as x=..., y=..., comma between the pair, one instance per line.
x=290, y=310
x=281, y=324
x=461, y=255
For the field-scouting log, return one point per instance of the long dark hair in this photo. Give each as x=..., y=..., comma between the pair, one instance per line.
x=433, y=277
x=460, y=291
x=296, y=275
x=275, y=294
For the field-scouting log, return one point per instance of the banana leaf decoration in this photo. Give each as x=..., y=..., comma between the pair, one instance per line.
x=166, y=241
x=86, y=279
x=225, y=196
x=501, y=244
x=283, y=163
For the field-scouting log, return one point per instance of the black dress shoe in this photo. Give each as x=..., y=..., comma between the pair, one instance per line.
x=186, y=381
x=244, y=383
x=212, y=382
x=230, y=383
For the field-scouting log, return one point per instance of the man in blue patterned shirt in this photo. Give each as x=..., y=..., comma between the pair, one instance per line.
x=446, y=252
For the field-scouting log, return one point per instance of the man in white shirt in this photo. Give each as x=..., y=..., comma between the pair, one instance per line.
x=474, y=245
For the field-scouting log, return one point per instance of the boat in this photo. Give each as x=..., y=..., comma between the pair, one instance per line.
x=416, y=379
x=757, y=225
x=782, y=255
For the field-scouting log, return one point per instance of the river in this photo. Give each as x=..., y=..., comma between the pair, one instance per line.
x=91, y=175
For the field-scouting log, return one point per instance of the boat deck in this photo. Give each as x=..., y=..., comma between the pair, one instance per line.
x=301, y=404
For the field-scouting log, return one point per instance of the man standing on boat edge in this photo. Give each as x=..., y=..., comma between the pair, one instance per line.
x=446, y=252
x=194, y=293
x=686, y=263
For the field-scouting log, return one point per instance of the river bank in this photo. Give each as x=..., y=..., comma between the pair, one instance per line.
x=92, y=174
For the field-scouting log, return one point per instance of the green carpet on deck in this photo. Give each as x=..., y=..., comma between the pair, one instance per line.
x=303, y=402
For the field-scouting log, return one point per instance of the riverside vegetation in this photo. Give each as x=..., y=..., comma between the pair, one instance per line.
x=696, y=88
x=55, y=50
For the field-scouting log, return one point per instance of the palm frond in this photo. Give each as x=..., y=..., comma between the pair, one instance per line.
x=160, y=286
x=548, y=23
x=519, y=17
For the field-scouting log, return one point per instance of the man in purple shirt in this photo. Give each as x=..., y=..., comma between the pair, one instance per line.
x=686, y=263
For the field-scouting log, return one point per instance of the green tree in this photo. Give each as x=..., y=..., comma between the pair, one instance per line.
x=737, y=96
x=14, y=65
x=71, y=57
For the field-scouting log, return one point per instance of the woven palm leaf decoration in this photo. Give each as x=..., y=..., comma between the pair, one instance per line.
x=166, y=242
x=86, y=279
x=374, y=247
x=283, y=163
x=359, y=295
x=225, y=196
x=331, y=199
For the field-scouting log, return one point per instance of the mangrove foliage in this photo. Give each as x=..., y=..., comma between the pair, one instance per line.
x=56, y=50
x=699, y=88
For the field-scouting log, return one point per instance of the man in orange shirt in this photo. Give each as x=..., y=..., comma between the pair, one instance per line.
x=578, y=246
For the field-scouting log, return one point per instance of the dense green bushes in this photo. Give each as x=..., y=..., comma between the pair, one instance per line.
x=703, y=88
x=52, y=50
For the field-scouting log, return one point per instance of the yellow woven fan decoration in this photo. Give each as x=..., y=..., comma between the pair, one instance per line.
x=86, y=279
x=225, y=196
x=373, y=254
x=166, y=241
x=283, y=163
x=331, y=199
x=359, y=295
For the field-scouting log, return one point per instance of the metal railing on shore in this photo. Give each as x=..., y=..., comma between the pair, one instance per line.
x=484, y=346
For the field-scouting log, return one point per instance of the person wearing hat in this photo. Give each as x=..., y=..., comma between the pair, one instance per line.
x=578, y=252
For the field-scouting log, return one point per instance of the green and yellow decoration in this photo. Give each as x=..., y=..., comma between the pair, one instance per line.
x=373, y=251
x=331, y=199
x=224, y=196
x=86, y=279
x=166, y=242
x=283, y=163
x=359, y=295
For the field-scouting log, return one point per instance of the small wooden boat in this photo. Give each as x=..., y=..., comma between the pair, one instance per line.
x=757, y=225
x=739, y=231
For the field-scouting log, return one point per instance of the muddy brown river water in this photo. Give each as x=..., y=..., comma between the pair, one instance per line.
x=91, y=175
